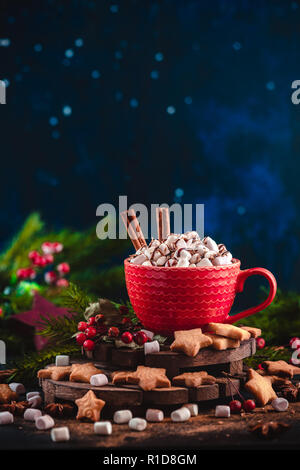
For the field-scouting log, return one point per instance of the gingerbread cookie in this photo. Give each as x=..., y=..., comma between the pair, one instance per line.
x=220, y=343
x=194, y=379
x=6, y=394
x=229, y=331
x=260, y=387
x=147, y=378
x=254, y=332
x=89, y=406
x=274, y=379
x=190, y=341
x=83, y=372
x=55, y=373
x=281, y=368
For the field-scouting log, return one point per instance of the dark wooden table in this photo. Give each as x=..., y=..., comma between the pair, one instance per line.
x=203, y=431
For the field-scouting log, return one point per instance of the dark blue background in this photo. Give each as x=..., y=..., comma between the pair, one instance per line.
x=164, y=95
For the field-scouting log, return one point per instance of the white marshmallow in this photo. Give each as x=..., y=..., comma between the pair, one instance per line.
x=221, y=261
x=31, y=414
x=192, y=407
x=151, y=347
x=164, y=249
x=150, y=334
x=180, y=243
x=156, y=255
x=99, y=380
x=210, y=254
x=195, y=258
x=44, y=422
x=222, y=411
x=122, y=416
x=60, y=434
x=31, y=394
x=192, y=265
x=147, y=263
x=280, y=404
x=6, y=417
x=140, y=259
x=180, y=415
x=19, y=389
x=211, y=244
x=204, y=262
x=171, y=262
x=137, y=424
x=103, y=427
x=183, y=263
x=62, y=360
x=35, y=401
x=161, y=261
x=154, y=416
x=182, y=253
x=191, y=235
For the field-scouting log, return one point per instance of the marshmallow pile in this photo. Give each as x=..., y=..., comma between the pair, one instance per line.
x=186, y=250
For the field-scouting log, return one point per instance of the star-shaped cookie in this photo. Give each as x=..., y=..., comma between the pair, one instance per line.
x=254, y=332
x=190, y=341
x=6, y=394
x=55, y=373
x=229, y=331
x=194, y=379
x=147, y=378
x=220, y=343
x=281, y=368
x=89, y=406
x=260, y=387
x=83, y=372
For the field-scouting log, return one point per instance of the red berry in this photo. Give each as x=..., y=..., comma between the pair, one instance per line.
x=89, y=345
x=91, y=321
x=63, y=268
x=260, y=343
x=62, y=282
x=123, y=310
x=292, y=340
x=80, y=338
x=113, y=331
x=126, y=321
x=26, y=273
x=90, y=332
x=1, y=312
x=51, y=247
x=48, y=259
x=33, y=254
x=295, y=343
x=235, y=406
x=261, y=367
x=140, y=338
x=82, y=326
x=50, y=277
x=126, y=337
x=249, y=405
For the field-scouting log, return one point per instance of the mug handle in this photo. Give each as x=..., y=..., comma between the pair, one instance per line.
x=243, y=275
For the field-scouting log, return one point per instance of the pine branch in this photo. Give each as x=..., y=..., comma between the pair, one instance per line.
x=273, y=353
x=75, y=299
x=59, y=330
x=28, y=366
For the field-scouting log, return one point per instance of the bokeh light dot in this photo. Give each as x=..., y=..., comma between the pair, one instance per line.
x=159, y=57
x=241, y=210
x=78, y=42
x=114, y=8
x=95, y=74
x=38, y=47
x=188, y=100
x=67, y=110
x=237, y=46
x=5, y=42
x=179, y=192
x=118, y=55
x=53, y=121
x=154, y=74
x=133, y=103
x=171, y=110
x=118, y=96
x=55, y=134
x=270, y=86
x=69, y=53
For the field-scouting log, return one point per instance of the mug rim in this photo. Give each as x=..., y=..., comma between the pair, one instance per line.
x=236, y=262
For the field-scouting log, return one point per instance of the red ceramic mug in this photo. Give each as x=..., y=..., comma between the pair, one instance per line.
x=167, y=299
